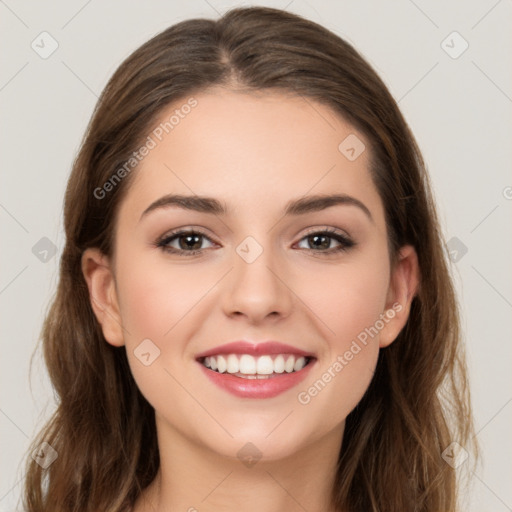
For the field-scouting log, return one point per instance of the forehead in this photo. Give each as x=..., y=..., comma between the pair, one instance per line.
x=251, y=149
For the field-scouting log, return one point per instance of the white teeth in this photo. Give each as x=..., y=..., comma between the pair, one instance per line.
x=249, y=365
x=265, y=365
x=279, y=364
x=232, y=364
x=290, y=363
x=299, y=364
x=222, y=365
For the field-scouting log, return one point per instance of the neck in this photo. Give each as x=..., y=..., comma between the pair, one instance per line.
x=193, y=478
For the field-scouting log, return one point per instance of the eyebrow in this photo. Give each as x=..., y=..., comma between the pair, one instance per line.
x=307, y=204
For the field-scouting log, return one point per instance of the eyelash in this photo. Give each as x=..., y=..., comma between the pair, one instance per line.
x=345, y=242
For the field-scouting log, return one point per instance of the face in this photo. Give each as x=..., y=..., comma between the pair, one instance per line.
x=317, y=278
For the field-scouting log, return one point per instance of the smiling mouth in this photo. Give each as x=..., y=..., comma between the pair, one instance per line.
x=247, y=366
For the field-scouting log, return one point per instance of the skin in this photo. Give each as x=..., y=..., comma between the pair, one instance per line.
x=255, y=153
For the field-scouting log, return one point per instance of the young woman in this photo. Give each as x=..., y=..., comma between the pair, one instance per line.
x=254, y=309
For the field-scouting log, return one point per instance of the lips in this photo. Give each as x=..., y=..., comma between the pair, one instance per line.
x=259, y=349
x=256, y=385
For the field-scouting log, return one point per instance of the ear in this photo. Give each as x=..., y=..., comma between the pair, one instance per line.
x=403, y=286
x=102, y=294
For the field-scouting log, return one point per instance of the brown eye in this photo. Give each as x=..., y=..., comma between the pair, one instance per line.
x=189, y=242
x=321, y=242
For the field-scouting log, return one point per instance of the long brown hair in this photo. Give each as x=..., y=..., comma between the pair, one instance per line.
x=417, y=403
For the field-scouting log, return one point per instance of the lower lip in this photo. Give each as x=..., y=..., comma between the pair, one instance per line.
x=257, y=388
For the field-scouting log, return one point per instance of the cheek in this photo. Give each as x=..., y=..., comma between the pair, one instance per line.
x=156, y=297
x=349, y=313
x=166, y=303
x=346, y=298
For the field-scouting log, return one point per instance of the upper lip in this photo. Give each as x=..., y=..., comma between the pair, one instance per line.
x=254, y=349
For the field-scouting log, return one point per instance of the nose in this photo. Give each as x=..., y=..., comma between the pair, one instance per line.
x=257, y=289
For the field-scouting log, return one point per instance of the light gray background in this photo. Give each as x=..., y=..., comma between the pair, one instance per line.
x=459, y=109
